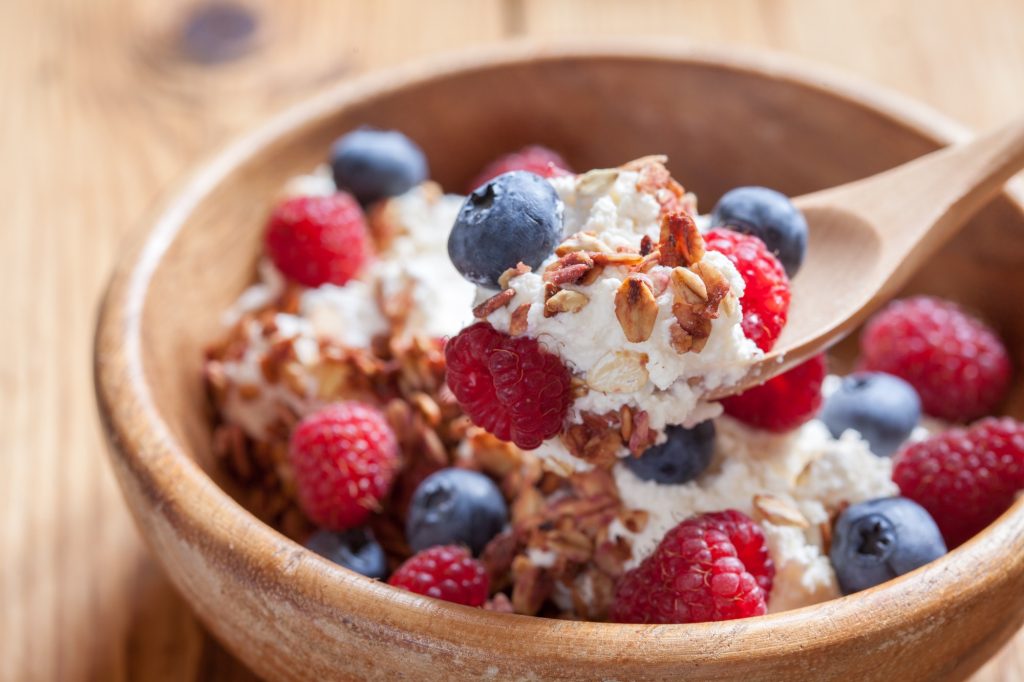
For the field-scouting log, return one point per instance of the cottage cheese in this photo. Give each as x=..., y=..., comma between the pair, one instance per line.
x=591, y=340
x=416, y=261
x=807, y=468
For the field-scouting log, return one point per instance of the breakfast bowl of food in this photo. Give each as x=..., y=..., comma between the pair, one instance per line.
x=441, y=375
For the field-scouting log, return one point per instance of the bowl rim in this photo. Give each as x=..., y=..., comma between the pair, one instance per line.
x=143, y=447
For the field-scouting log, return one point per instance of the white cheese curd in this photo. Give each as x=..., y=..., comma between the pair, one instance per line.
x=807, y=468
x=668, y=385
x=416, y=260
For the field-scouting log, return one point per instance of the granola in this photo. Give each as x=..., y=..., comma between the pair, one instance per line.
x=645, y=316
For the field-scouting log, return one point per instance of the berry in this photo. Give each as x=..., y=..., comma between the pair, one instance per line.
x=884, y=409
x=344, y=459
x=881, y=539
x=355, y=549
x=318, y=240
x=765, y=299
x=768, y=215
x=709, y=567
x=534, y=159
x=508, y=385
x=958, y=365
x=455, y=507
x=965, y=478
x=683, y=456
x=783, y=402
x=375, y=164
x=516, y=217
x=447, y=572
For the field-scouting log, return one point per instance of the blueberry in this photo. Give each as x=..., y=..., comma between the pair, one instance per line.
x=374, y=164
x=879, y=540
x=356, y=550
x=681, y=458
x=883, y=408
x=516, y=217
x=455, y=507
x=769, y=215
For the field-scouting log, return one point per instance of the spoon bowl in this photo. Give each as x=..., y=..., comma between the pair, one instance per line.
x=866, y=239
x=828, y=292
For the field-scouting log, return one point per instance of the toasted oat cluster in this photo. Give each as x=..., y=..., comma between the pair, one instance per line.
x=498, y=399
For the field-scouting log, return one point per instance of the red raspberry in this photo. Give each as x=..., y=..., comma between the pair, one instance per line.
x=783, y=402
x=535, y=159
x=318, y=240
x=446, y=572
x=508, y=385
x=958, y=365
x=765, y=300
x=709, y=567
x=344, y=458
x=965, y=478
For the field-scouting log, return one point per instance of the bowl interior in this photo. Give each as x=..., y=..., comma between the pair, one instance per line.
x=724, y=122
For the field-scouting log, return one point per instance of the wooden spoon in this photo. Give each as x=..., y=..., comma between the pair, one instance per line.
x=867, y=238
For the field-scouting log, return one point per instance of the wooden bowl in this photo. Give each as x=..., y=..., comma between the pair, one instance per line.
x=724, y=119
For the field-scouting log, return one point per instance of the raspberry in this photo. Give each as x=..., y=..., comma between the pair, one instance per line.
x=318, y=240
x=958, y=365
x=783, y=402
x=535, y=159
x=965, y=477
x=765, y=300
x=508, y=385
x=709, y=567
x=444, y=572
x=344, y=459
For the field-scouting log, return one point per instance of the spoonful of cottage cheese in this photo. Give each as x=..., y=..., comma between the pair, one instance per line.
x=606, y=317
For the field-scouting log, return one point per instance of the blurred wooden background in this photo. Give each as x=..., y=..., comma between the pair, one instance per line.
x=106, y=103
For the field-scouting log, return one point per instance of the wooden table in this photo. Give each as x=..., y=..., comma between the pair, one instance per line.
x=108, y=102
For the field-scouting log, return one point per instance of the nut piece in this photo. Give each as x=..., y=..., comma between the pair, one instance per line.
x=499, y=300
x=654, y=179
x=519, y=320
x=646, y=245
x=642, y=436
x=690, y=324
x=582, y=241
x=578, y=387
x=596, y=181
x=595, y=440
x=565, y=301
x=688, y=286
x=716, y=285
x=681, y=242
x=569, y=268
x=620, y=371
x=618, y=258
x=636, y=308
x=778, y=511
x=520, y=269
x=592, y=276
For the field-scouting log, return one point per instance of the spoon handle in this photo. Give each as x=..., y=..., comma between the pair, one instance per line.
x=917, y=207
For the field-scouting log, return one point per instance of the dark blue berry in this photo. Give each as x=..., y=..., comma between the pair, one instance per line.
x=769, y=215
x=355, y=549
x=516, y=217
x=881, y=539
x=375, y=164
x=883, y=408
x=681, y=458
x=455, y=507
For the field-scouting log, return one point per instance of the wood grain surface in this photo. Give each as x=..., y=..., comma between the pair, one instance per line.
x=108, y=102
